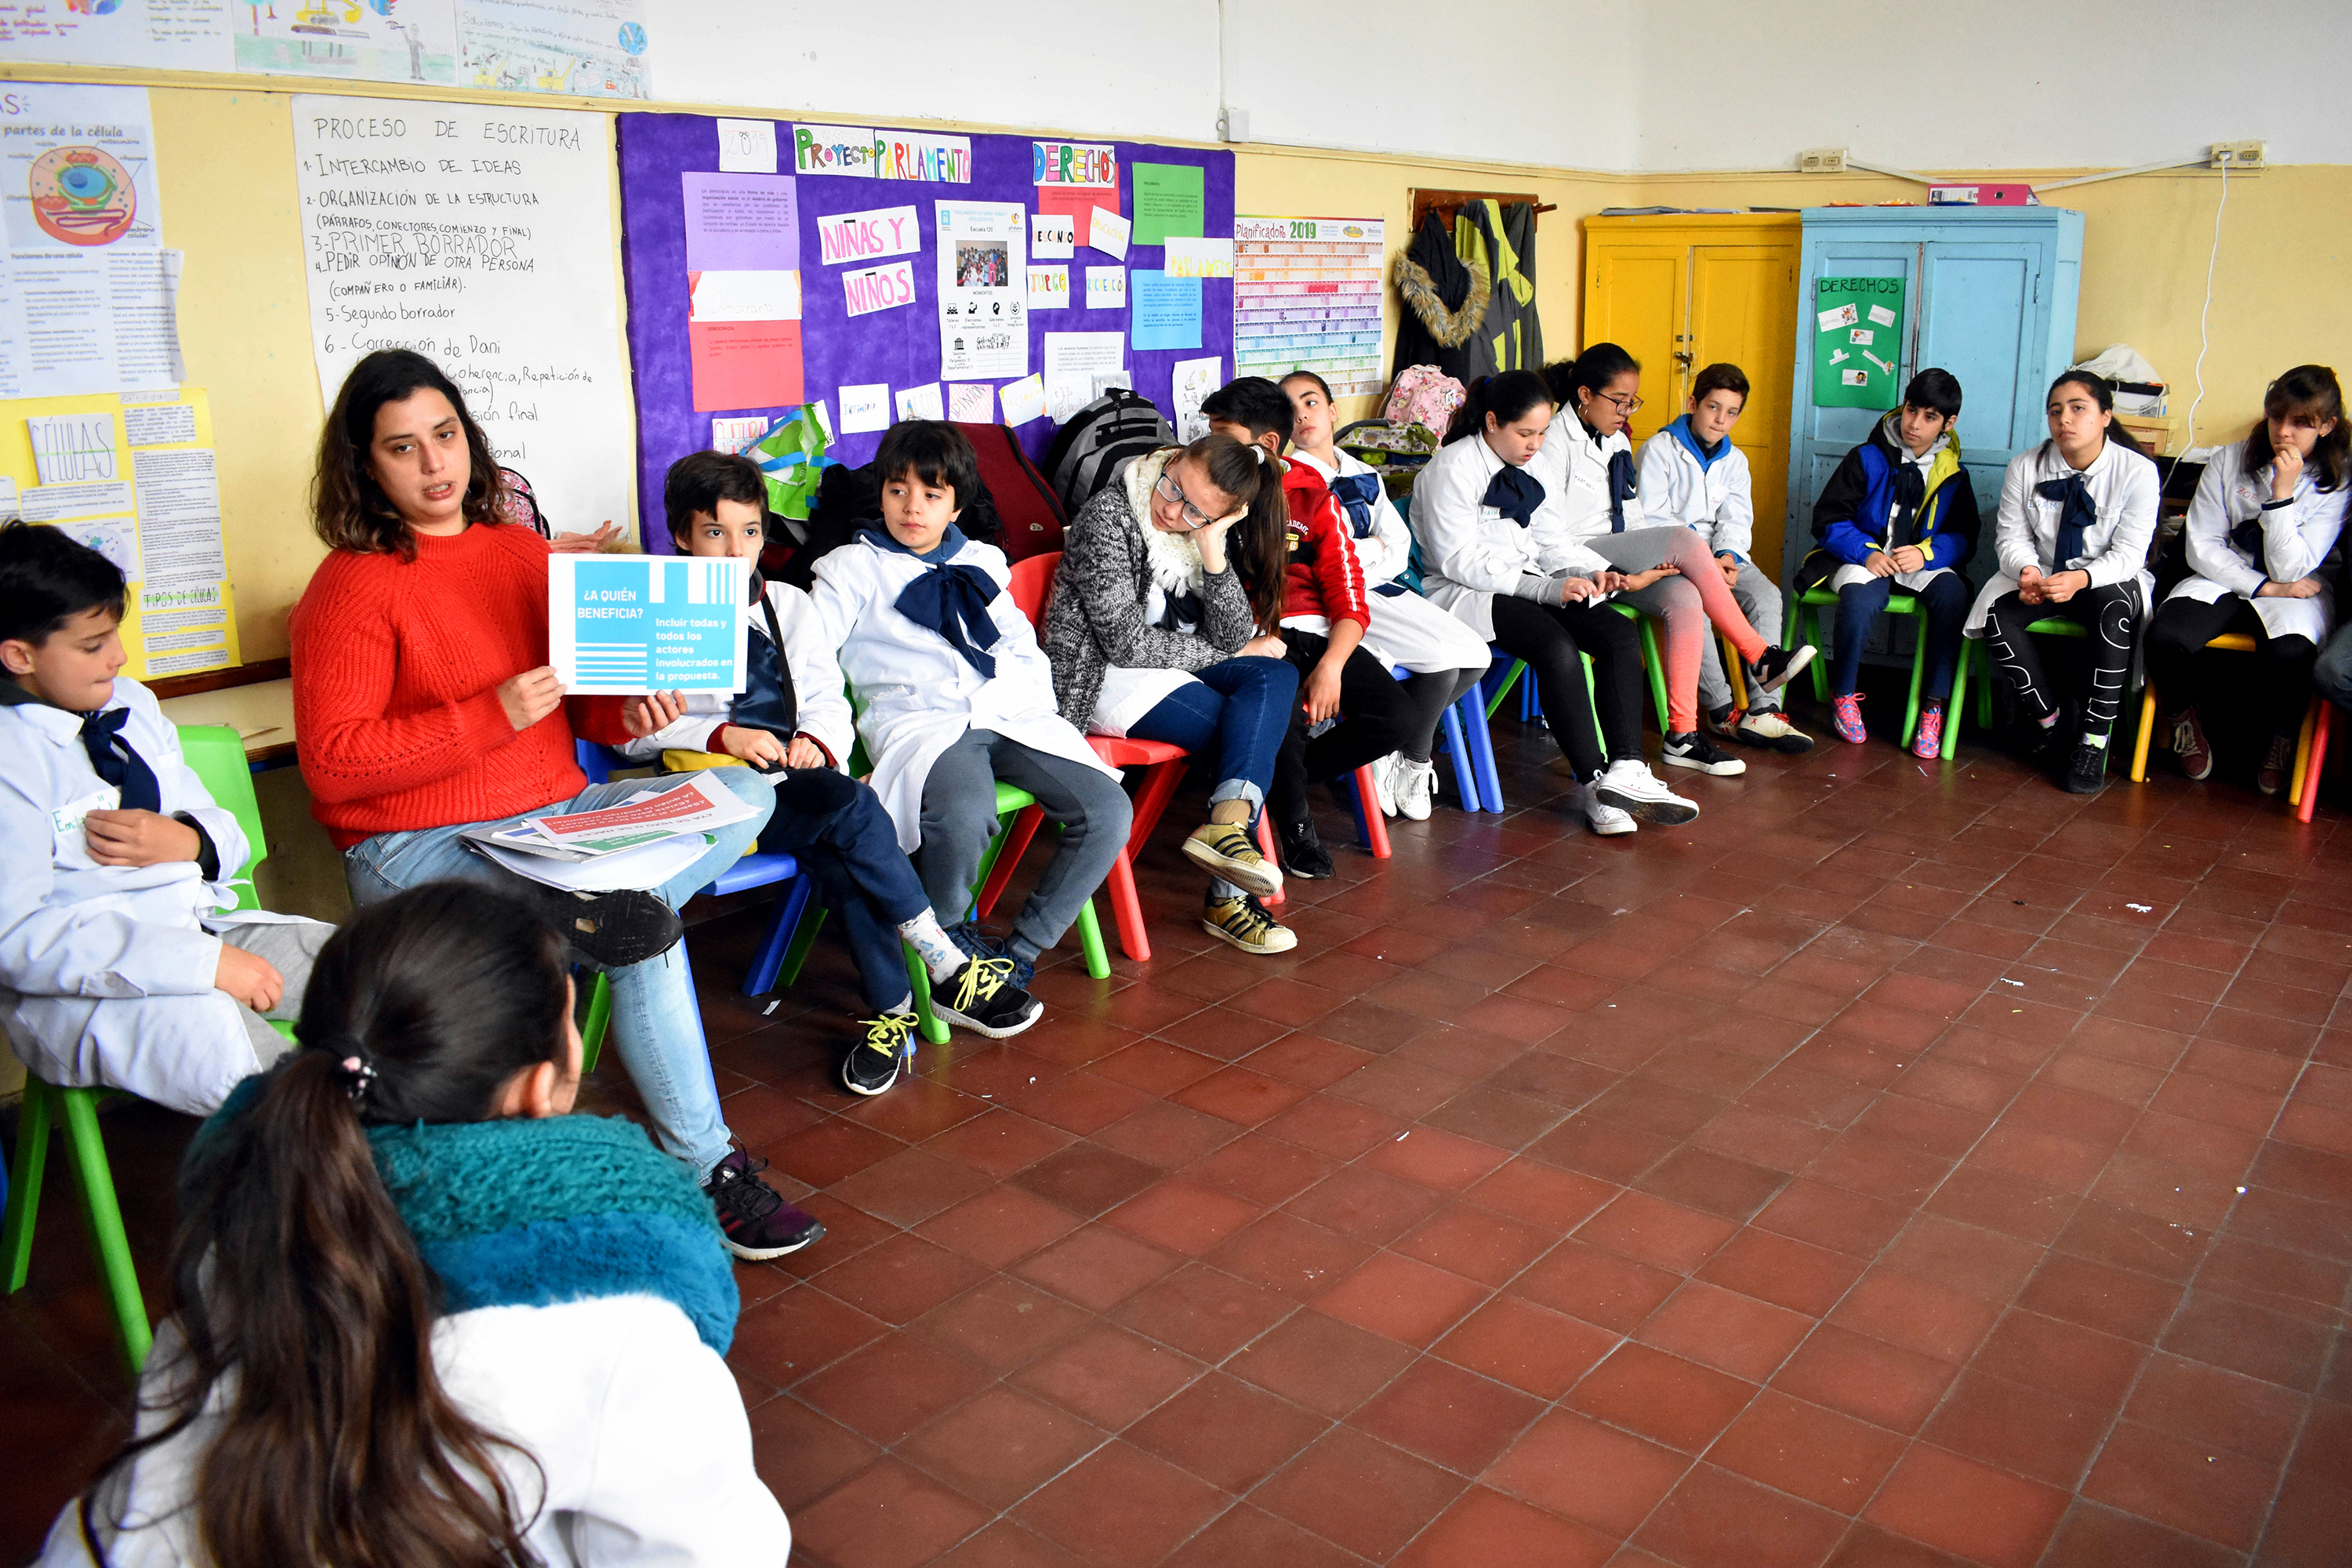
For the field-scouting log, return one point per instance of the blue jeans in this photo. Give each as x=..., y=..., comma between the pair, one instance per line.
x=835, y=828
x=1241, y=709
x=655, y=1027
x=2332, y=676
x=1944, y=601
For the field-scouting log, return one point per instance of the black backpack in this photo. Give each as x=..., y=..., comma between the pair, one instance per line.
x=1099, y=439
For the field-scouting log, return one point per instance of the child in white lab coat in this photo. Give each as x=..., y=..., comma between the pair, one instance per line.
x=2267, y=514
x=1444, y=657
x=121, y=960
x=956, y=695
x=792, y=722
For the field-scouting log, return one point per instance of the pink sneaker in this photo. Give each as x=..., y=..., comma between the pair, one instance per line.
x=1927, y=740
x=1846, y=718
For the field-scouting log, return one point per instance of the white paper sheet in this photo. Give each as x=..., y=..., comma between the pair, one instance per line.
x=1049, y=288
x=1199, y=257
x=1106, y=288
x=923, y=402
x=503, y=274
x=972, y=403
x=1023, y=400
x=865, y=408
x=747, y=146
x=1107, y=232
x=982, y=303
x=744, y=296
x=1053, y=236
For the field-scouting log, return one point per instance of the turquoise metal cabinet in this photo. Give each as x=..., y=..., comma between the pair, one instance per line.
x=1990, y=295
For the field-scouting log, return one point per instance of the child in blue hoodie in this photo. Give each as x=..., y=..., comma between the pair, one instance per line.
x=1690, y=473
x=1898, y=513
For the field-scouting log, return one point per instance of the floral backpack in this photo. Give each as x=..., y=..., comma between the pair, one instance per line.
x=1423, y=394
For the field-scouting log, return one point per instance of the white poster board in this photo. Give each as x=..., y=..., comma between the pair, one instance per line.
x=481, y=237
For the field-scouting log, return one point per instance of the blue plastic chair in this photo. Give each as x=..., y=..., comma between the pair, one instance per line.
x=1463, y=733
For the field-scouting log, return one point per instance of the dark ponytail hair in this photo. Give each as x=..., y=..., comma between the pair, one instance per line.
x=296, y=1279
x=1506, y=396
x=2309, y=392
x=2103, y=393
x=1588, y=372
x=1256, y=545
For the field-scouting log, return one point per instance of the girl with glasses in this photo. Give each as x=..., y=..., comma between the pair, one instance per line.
x=1162, y=627
x=1593, y=526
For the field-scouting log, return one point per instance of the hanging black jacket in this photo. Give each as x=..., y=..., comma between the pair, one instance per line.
x=1445, y=299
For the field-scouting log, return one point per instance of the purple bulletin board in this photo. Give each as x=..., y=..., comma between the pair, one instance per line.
x=900, y=346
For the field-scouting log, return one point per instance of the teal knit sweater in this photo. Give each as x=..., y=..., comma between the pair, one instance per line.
x=535, y=1213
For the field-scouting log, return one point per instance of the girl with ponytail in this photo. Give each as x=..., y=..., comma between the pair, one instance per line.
x=1595, y=528
x=426, y=1317
x=1164, y=626
x=1474, y=511
x=2077, y=515
x=2267, y=514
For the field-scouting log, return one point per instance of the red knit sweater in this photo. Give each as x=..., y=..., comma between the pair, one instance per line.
x=396, y=669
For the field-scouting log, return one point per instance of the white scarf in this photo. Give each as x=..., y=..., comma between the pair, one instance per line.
x=1174, y=558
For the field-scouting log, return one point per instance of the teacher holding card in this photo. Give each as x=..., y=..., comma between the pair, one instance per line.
x=426, y=706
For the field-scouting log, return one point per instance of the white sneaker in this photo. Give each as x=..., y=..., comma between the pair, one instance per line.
x=1630, y=786
x=1384, y=782
x=1416, y=786
x=1603, y=819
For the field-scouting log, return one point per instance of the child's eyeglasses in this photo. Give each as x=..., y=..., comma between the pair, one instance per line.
x=1625, y=406
x=1194, y=518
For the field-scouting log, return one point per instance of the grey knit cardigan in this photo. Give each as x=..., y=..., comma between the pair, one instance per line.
x=1096, y=618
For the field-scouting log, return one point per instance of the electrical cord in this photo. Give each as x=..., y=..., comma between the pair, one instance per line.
x=2204, y=318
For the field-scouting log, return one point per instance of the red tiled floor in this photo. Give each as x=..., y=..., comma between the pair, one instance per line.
x=1697, y=1198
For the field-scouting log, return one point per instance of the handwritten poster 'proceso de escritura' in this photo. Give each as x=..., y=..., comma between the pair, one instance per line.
x=481, y=237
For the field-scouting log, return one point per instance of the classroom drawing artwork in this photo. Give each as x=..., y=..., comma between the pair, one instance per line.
x=594, y=48
x=157, y=35
x=369, y=40
x=81, y=196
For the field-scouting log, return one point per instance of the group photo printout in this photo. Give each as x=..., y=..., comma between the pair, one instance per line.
x=621, y=624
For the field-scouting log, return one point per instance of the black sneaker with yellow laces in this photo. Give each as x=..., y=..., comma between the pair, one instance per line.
x=982, y=997
x=873, y=1063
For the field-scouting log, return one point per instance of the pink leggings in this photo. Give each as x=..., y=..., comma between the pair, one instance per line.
x=1686, y=604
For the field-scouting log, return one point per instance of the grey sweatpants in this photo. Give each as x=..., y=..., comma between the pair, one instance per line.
x=959, y=818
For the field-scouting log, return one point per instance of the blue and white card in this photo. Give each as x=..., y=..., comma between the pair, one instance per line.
x=621, y=624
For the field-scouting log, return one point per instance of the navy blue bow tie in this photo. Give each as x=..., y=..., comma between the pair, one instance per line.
x=2076, y=513
x=1356, y=493
x=117, y=763
x=953, y=601
x=1621, y=488
x=1514, y=492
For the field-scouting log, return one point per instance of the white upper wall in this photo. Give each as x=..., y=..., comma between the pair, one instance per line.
x=1991, y=84
x=1651, y=86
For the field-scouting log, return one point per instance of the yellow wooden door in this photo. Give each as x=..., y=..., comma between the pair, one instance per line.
x=1743, y=310
x=1636, y=295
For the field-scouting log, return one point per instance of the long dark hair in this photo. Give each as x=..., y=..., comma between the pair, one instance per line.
x=1256, y=545
x=297, y=1281
x=2102, y=392
x=347, y=508
x=1588, y=372
x=1506, y=396
x=2309, y=392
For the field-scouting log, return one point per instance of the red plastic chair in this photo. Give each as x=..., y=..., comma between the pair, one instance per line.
x=1032, y=584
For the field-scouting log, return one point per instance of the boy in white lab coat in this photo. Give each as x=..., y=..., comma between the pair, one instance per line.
x=1690, y=473
x=957, y=694
x=121, y=962
x=793, y=721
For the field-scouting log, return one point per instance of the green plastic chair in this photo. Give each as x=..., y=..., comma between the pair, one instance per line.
x=1653, y=664
x=1821, y=597
x=2053, y=627
x=217, y=758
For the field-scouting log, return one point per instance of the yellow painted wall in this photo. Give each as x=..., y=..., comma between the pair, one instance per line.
x=225, y=167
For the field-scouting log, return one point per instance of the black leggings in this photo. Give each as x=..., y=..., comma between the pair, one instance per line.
x=2178, y=632
x=1371, y=724
x=2111, y=613
x=1550, y=637
x=1427, y=697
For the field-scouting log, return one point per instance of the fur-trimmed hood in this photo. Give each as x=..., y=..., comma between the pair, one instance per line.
x=1452, y=329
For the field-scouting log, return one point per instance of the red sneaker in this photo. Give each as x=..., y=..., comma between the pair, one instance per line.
x=1846, y=718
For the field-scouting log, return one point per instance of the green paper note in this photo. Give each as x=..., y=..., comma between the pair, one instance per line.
x=1168, y=201
x=1857, y=341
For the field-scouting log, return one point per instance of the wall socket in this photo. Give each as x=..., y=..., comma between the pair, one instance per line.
x=1821, y=161
x=1233, y=125
x=2235, y=154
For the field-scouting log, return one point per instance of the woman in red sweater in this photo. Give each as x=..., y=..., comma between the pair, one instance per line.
x=425, y=706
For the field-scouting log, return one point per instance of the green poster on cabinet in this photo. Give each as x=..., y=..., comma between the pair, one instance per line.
x=1857, y=342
